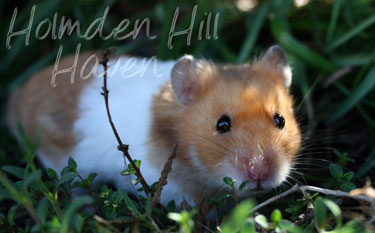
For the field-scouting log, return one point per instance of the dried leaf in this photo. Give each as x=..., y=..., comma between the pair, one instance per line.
x=136, y=228
x=367, y=191
x=163, y=178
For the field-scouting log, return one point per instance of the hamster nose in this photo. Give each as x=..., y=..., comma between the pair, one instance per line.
x=259, y=168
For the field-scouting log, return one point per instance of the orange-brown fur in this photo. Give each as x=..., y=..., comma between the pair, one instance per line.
x=250, y=94
x=39, y=107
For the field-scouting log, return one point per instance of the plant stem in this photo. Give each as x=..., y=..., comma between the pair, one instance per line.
x=122, y=147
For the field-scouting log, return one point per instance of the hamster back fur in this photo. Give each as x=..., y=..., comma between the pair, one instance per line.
x=228, y=121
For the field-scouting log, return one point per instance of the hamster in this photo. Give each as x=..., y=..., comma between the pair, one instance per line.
x=228, y=121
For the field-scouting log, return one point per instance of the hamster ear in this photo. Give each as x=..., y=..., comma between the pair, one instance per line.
x=184, y=79
x=275, y=57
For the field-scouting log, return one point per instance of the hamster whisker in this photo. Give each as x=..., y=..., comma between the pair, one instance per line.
x=310, y=153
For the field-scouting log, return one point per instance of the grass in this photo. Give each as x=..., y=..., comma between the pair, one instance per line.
x=335, y=111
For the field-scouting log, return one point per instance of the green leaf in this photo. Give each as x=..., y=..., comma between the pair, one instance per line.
x=41, y=209
x=16, y=171
x=77, y=223
x=229, y=181
x=223, y=196
x=320, y=213
x=290, y=227
x=137, y=163
x=4, y=194
x=52, y=174
x=72, y=164
x=237, y=217
x=129, y=203
x=175, y=217
x=335, y=170
x=116, y=197
x=32, y=178
x=135, y=181
x=276, y=217
x=77, y=203
x=243, y=185
x=348, y=176
x=248, y=226
x=91, y=177
x=261, y=220
x=171, y=206
x=110, y=212
x=336, y=211
x=11, y=213
x=67, y=177
x=348, y=186
x=126, y=172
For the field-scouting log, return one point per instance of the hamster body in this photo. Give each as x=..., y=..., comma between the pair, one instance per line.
x=227, y=121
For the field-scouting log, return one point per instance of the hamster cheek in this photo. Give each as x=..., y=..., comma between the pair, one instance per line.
x=212, y=168
x=281, y=175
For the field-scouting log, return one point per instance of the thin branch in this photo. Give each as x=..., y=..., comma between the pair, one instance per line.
x=275, y=198
x=127, y=221
x=337, y=193
x=85, y=183
x=163, y=178
x=337, y=75
x=122, y=147
x=106, y=223
x=305, y=188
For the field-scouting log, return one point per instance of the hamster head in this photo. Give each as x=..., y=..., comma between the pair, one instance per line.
x=237, y=121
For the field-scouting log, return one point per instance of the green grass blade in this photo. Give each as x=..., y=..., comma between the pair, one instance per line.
x=359, y=93
x=44, y=10
x=20, y=197
x=368, y=164
x=358, y=59
x=347, y=36
x=333, y=20
x=253, y=32
x=295, y=47
x=38, y=65
x=164, y=9
x=78, y=203
x=14, y=170
x=315, y=22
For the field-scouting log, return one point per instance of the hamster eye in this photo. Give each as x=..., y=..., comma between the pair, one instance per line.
x=279, y=121
x=223, y=124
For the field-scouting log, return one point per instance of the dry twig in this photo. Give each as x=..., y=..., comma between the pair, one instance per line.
x=305, y=188
x=337, y=193
x=122, y=147
x=163, y=178
x=106, y=223
x=337, y=75
x=275, y=198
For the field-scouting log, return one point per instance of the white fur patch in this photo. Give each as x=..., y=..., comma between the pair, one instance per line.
x=287, y=72
x=280, y=176
x=130, y=95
